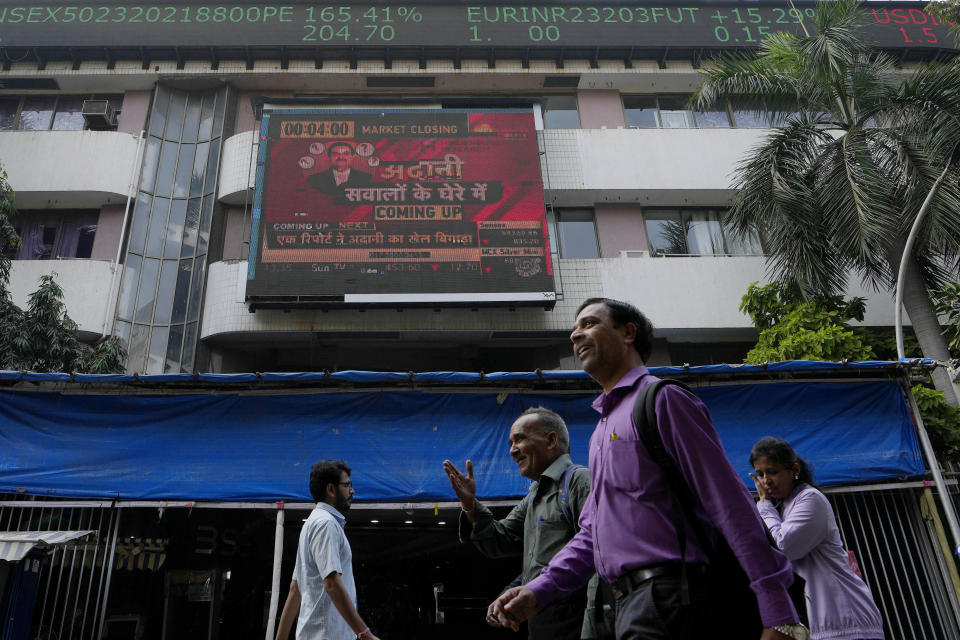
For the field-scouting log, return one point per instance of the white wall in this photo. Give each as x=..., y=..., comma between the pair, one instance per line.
x=85, y=284
x=688, y=294
x=695, y=297
x=68, y=169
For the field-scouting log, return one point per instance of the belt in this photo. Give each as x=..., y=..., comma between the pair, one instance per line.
x=629, y=581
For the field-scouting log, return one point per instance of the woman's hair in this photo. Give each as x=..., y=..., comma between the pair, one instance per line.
x=782, y=453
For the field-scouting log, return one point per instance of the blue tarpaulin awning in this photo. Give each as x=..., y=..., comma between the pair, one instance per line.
x=221, y=446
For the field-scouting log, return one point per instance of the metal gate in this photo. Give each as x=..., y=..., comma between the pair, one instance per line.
x=899, y=554
x=74, y=580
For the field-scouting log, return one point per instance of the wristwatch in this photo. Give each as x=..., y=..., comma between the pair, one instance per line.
x=795, y=631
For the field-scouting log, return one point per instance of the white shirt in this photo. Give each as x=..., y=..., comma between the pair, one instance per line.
x=341, y=176
x=323, y=550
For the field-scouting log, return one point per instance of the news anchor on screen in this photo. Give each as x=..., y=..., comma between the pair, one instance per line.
x=340, y=175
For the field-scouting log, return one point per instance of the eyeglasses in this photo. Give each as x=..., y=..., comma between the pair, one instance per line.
x=345, y=484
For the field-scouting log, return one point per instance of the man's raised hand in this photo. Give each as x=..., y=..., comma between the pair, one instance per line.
x=463, y=485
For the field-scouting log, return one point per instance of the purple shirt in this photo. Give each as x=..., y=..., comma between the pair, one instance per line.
x=839, y=603
x=625, y=523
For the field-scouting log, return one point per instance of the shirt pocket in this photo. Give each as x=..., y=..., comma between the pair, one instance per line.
x=627, y=466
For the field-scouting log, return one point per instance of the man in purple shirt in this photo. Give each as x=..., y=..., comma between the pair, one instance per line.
x=626, y=532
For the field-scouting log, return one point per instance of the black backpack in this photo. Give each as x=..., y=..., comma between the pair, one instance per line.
x=734, y=604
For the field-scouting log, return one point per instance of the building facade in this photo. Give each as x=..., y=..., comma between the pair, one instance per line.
x=133, y=154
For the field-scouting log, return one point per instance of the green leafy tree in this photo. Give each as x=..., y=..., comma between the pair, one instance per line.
x=948, y=305
x=42, y=337
x=941, y=421
x=946, y=11
x=794, y=328
x=836, y=187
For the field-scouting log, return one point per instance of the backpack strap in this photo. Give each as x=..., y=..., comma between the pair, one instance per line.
x=681, y=497
x=566, y=509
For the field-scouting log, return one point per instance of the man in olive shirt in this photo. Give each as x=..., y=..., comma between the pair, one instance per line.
x=537, y=527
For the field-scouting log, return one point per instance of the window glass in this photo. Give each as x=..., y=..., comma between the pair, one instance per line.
x=199, y=167
x=136, y=354
x=37, y=112
x=737, y=245
x=158, y=224
x=178, y=103
x=665, y=231
x=8, y=112
x=206, y=212
x=158, y=349
x=196, y=289
x=166, y=168
x=213, y=158
x=674, y=113
x=578, y=234
x=178, y=210
x=718, y=119
x=189, y=343
x=704, y=236
x=141, y=216
x=191, y=118
x=69, y=115
x=168, y=280
x=182, y=293
x=128, y=288
x=122, y=331
x=147, y=292
x=76, y=235
x=181, y=185
x=751, y=118
x=640, y=111
x=151, y=158
x=560, y=112
x=695, y=231
x=39, y=237
x=206, y=117
x=158, y=118
x=218, y=114
x=174, y=342
x=190, y=227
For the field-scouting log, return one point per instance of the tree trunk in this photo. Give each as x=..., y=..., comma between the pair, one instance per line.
x=926, y=325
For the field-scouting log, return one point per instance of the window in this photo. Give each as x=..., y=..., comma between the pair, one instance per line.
x=49, y=112
x=577, y=233
x=670, y=112
x=54, y=235
x=560, y=112
x=695, y=231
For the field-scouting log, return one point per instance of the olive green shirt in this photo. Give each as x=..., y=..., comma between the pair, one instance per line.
x=535, y=528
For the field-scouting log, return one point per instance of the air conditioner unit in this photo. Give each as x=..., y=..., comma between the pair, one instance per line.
x=99, y=115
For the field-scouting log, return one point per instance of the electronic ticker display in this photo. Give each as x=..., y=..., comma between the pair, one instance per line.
x=560, y=23
x=399, y=206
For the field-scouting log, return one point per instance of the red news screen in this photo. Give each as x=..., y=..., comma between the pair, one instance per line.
x=400, y=206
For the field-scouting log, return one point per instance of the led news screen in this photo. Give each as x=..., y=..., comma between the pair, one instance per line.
x=399, y=207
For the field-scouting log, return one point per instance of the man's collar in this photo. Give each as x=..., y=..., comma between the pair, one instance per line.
x=624, y=384
x=555, y=470
x=329, y=508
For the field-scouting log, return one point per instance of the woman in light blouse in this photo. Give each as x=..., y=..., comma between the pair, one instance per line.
x=801, y=520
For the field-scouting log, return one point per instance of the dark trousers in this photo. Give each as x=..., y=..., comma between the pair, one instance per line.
x=561, y=620
x=653, y=611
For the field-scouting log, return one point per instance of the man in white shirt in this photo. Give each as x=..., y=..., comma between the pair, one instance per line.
x=323, y=590
x=340, y=175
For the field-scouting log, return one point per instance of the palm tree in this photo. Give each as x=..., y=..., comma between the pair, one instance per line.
x=836, y=187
